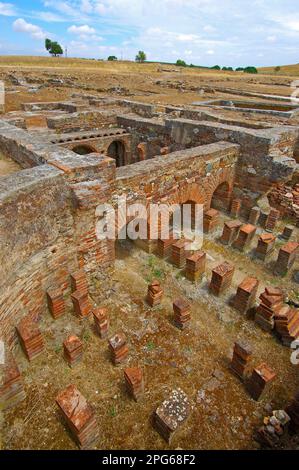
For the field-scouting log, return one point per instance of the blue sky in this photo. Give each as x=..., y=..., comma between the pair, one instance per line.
x=204, y=32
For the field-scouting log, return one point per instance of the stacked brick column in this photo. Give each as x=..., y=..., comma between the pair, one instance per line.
x=171, y=414
x=272, y=220
x=134, y=382
x=73, y=350
x=288, y=232
x=164, y=247
x=195, y=266
x=118, y=348
x=79, y=416
x=260, y=381
x=30, y=338
x=241, y=359
x=254, y=215
x=179, y=253
x=154, y=293
x=182, y=313
x=56, y=302
x=230, y=231
x=265, y=246
x=221, y=278
x=271, y=302
x=286, y=258
x=210, y=220
x=11, y=384
x=246, y=295
x=79, y=296
x=286, y=321
x=245, y=237
x=235, y=208
x=101, y=321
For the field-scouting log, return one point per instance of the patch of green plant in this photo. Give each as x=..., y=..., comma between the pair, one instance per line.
x=150, y=346
x=113, y=411
x=86, y=335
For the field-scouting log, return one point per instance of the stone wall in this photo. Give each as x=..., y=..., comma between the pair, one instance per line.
x=85, y=120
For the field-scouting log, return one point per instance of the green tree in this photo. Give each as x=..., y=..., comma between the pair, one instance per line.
x=250, y=70
x=240, y=69
x=277, y=69
x=112, y=57
x=216, y=67
x=53, y=48
x=181, y=63
x=48, y=43
x=140, y=57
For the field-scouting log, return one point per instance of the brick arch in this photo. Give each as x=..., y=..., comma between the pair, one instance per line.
x=86, y=148
x=202, y=192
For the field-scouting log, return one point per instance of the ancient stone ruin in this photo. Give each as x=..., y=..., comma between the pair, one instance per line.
x=90, y=326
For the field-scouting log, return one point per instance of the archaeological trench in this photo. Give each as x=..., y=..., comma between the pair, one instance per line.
x=115, y=344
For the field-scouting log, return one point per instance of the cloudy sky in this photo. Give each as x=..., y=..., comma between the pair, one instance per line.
x=204, y=32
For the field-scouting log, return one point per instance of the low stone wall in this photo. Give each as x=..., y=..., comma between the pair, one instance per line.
x=85, y=120
x=187, y=175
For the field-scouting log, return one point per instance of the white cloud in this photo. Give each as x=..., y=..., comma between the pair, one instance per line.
x=210, y=52
x=7, y=9
x=21, y=26
x=271, y=38
x=84, y=29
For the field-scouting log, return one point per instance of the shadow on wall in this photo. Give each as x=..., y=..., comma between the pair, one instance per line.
x=221, y=197
x=117, y=151
x=83, y=149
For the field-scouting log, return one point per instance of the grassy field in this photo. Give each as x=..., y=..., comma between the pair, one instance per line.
x=286, y=70
x=104, y=66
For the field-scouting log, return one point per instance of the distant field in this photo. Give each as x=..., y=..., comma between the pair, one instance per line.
x=286, y=70
x=105, y=66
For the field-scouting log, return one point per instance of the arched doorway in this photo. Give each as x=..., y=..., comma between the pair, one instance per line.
x=221, y=197
x=117, y=151
x=83, y=149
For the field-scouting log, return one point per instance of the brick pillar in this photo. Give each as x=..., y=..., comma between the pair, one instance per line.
x=286, y=258
x=30, y=338
x=245, y=237
x=73, y=350
x=260, y=381
x=241, y=359
x=154, y=293
x=56, y=302
x=134, y=381
x=288, y=232
x=230, y=231
x=118, y=348
x=11, y=384
x=265, y=246
x=254, y=215
x=101, y=321
x=246, y=295
x=271, y=302
x=195, y=266
x=235, y=208
x=221, y=278
x=272, y=220
x=79, y=416
x=210, y=220
x=182, y=313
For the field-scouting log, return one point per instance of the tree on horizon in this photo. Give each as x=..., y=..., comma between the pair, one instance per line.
x=140, y=57
x=53, y=47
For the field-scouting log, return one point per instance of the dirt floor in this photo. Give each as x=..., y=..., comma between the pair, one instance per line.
x=197, y=360
x=8, y=166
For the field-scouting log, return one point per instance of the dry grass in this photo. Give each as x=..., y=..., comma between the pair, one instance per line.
x=285, y=70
